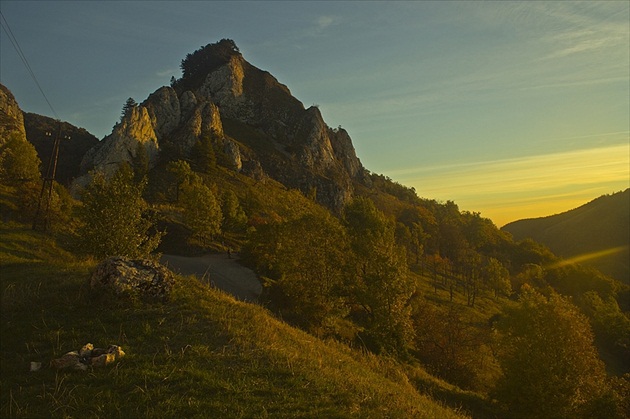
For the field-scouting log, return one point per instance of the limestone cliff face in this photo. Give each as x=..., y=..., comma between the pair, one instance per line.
x=164, y=119
x=11, y=119
x=249, y=115
x=122, y=144
x=296, y=146
x=345, y=153
x=164, y=109
x=224, y=86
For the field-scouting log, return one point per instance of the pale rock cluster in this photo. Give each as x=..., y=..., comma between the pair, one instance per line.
x=87, y=356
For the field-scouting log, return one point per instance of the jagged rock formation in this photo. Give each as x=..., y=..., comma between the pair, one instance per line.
x=11, y=119
x=250, y=117
x=136, y=128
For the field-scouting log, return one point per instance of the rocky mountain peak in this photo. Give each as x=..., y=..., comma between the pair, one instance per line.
x=248, y=114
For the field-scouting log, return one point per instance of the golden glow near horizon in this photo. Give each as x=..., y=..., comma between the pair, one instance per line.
x=590, y=256
x=526, y=187
x=513, y=109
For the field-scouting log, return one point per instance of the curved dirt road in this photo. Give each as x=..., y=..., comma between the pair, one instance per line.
x=222, y=272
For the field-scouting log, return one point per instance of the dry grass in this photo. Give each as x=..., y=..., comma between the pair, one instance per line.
x=203, y=354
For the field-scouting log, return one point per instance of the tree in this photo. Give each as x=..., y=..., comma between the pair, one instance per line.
x=202, y=212
x=532, y=275
x=234, y=218
x=128, y=107
x=450, y=344
x=469, y=263
x=114, y=219
x=19, y=162
x=305, y=263
x=140, y=163
x=610, y=324
x=382, y=286
x=202, y=155
x=497, y=277
x=410, y=232
x=206, y=59
x=181, y=173
x=550, y=365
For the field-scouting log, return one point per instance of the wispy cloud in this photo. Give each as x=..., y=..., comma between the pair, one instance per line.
x=610, y=163
x=167, y=72
x=323, y=22
x=576, y=40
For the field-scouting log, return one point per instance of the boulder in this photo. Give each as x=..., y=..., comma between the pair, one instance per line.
x=135, y=278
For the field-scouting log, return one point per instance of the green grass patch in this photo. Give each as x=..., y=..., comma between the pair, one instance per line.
x=203, y=354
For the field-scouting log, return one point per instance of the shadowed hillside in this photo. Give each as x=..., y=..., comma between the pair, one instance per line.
x=601, y=225
x=71, y=150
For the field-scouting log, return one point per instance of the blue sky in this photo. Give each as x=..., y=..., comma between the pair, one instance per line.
x=513, y=109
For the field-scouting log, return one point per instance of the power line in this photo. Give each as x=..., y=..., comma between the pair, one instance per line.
x=16, y=46
x=41, y=220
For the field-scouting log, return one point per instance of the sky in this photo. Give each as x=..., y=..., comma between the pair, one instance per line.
x=511, y=109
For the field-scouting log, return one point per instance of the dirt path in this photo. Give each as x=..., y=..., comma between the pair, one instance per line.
x=222, y=272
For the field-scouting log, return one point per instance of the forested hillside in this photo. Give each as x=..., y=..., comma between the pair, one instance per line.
x=226, y=160
x=597, y=232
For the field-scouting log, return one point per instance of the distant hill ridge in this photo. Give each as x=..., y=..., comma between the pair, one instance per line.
x=75, y=143
x=601, y=224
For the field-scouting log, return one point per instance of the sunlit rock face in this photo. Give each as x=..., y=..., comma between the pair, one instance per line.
x=224, y=87
x=294, y=145
x=164, y=109
x=11, y=118
x=250, y=117
x=135, y=128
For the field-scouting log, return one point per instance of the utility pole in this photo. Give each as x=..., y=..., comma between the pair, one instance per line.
x=41, y=221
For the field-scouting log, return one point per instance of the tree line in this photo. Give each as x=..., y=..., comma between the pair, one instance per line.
x=357, y=277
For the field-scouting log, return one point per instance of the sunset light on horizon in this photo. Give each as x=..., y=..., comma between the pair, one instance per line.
x=505, y=190
x=409, y=208
x=511, y=109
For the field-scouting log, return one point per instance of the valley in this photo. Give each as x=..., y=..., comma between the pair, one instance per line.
x=344, y=292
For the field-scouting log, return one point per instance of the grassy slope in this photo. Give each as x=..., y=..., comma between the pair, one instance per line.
x=201, y=355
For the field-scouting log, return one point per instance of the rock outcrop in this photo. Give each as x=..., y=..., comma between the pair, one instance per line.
x=162, y=121
x=134, y=278
x=136, y=128
x=11, y=119
x=251, y=117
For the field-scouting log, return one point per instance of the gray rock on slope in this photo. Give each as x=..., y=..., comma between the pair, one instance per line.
x=134, y=278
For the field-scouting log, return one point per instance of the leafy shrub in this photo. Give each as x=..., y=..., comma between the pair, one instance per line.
x=114, y=217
